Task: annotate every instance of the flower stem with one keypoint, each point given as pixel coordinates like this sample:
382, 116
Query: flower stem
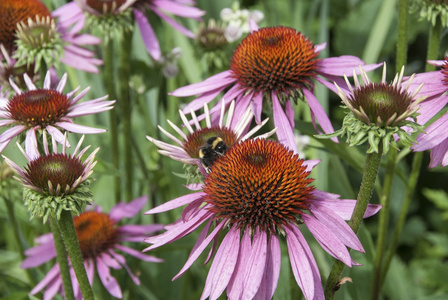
415, 172
384, 222
61, 258
110, 87
402, 42
435, 33
125, 99
371, 168
68, 232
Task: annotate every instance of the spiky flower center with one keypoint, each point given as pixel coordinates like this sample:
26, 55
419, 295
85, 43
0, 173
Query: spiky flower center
54, 170
39, 107
445, 71
96, 233
38, 32
274, 59
259, 183
211, 37
199, 138
12, 12
381, 102
104, 6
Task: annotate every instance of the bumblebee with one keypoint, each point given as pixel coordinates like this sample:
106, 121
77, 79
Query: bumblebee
213, 148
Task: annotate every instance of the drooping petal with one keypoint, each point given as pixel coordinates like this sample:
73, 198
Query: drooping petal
272, 270
303, 265
148, 35
109, 282
285, 131
327, 240
223, 265
256, 265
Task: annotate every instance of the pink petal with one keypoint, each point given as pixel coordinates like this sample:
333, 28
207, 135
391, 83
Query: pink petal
127, 210
179, 9
439, 155
108, 280
327, 240
223, 265
319, 112
235, 288
198, 250
79, 128
174, 24
272, 270
214, 82
338, 227
175, 203
303, 265
256, 265
148, 35
285, 131
344, 208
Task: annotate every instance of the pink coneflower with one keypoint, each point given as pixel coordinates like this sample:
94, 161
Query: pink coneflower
31, 34
46, 109
380, 113
99, 238
73, 13
436, 136
231, 132
277, 64
55, 182
256, 193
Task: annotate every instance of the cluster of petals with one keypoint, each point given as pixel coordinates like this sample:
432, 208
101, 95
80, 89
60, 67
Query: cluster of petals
248, 267
73, 13
436, 136
110, 258
65, 122
329, 70
75, 54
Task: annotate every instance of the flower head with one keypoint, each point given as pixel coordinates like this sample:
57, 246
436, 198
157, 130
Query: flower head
231, 132
99, 237
277, 65
32, 35
378, 111
436, 136
256, 193
46, 109
112, 16
55, 181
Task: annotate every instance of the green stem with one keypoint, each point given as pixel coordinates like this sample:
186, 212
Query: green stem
15, 229
435, 32
402, 42
415, 172
125, 100
371, 168
61, 258
68, 232
110, 87
384, 221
